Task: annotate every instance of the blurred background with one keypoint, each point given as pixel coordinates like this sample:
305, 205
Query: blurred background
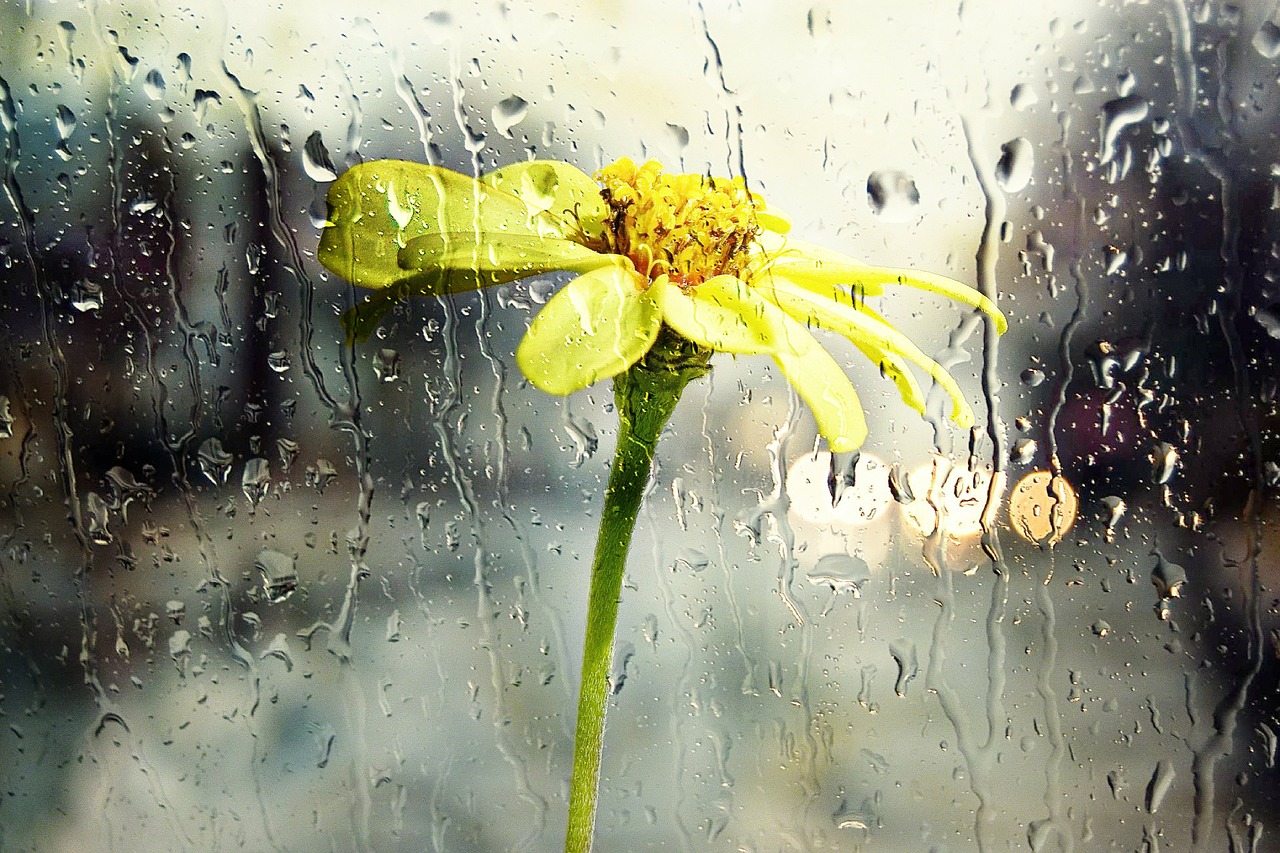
259, 590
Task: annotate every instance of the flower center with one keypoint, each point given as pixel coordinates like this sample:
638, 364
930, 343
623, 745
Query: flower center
687, 227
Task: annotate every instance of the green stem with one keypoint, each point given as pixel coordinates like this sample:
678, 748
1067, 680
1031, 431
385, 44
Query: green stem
646, 395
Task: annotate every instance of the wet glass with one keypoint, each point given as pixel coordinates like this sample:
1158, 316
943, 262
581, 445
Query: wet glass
263, 590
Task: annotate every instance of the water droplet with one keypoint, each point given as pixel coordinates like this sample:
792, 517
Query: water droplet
1164, 462
841, 572
1023, 97
1116, 508
1267, 40
6, 418
153, 84
315, 160
202, 100
1161, 781
279, 574
386, 365
279, 361
393, 627
621, 660
1024, 450
1168, 578
892, 195
180, 649
509, 112
1101, 628
278, 648
256, 480
904, 655
1017, 162
215, 462
1117, 115
321, 474
176, 610
324, 735
691, 560
679, 135
98, 519
288, 450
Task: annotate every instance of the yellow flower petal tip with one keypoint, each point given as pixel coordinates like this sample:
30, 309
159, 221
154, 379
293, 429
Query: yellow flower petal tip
704, 257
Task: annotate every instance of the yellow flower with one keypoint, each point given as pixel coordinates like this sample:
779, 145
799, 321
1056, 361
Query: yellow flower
702, 256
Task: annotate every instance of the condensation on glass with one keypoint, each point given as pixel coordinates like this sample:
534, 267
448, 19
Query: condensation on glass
260, 590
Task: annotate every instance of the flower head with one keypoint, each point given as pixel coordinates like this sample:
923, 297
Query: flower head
701, 256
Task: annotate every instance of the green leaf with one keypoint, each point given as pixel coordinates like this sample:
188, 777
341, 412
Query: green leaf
377, 208
595, 327
563, 196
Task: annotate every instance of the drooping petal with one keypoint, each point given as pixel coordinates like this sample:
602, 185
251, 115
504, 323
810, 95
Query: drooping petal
940, 285
723, 314
897, 371
377, 208
501, 256
864, 328
825, 389
563, 195
595, 327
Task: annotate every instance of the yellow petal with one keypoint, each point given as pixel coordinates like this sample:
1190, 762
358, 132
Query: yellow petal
595, 327
560, 194
897, 372
825, 389
723, 314
864, 328
377, 208
501, 256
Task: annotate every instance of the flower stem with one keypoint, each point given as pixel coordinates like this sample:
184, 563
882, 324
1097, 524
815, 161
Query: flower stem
645, 395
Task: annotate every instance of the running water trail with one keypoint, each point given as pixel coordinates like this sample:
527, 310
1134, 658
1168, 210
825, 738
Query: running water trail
1218, 162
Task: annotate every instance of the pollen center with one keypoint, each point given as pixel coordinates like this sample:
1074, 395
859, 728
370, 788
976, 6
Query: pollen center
687, 227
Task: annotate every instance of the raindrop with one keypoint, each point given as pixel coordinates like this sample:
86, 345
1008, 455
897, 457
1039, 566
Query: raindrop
1161, 781
904, 655
278, 648
1164, 462
386, 365
321, 474
1168, 578
256, 480
583, 435
900, 484
324, 735
86, 296
175, 610
202, 100
1117, 115
509, 112
6, 418
841, 572
1024, 450
1267, 40
679, 135
279, 574
1023, 97
98, 517
315, 160
1101, 628
690, 559
288, 450
1017, 161
278, 361
214, 461
621, 660
892, 195
1116, 508
393, 627
153, 84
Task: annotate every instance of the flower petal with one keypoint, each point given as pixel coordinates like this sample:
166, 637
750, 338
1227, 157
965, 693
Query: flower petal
376, 208
560, 193
864, 328
825, 389
724, 314
501, 257
595, 327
